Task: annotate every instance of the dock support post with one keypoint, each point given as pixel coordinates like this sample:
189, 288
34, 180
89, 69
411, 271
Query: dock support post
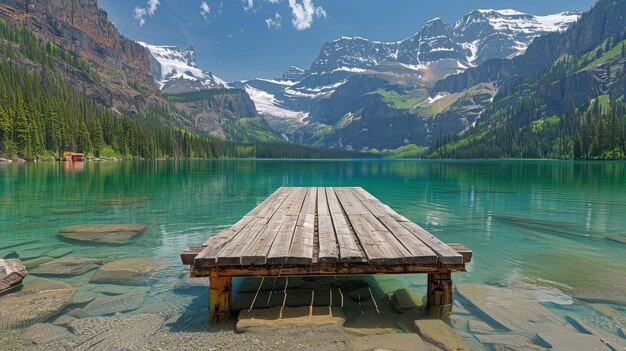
220, 298
439, 293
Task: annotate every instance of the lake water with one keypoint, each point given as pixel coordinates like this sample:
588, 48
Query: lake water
536, 227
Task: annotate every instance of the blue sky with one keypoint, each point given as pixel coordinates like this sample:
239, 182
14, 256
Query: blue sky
244, 39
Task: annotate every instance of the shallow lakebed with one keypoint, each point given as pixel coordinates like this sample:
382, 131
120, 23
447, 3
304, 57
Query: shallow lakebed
548, 237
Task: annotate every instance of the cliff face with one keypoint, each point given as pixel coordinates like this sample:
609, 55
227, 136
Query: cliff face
84, 30
210, 114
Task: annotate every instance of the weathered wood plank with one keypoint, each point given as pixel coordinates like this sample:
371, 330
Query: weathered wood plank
420, 252
380, 246
348, 247
350, 204
227, 234
208, 256
234, 250
257, 252
375, 242
352, 226
321, 269
301, 250
376, 206
328, 247
190, 253
446, 254
231, 253
282, 243
257, 211
463, 250
251, 239
215, 244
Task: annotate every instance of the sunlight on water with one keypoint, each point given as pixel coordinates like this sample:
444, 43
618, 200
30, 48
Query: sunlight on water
537, 227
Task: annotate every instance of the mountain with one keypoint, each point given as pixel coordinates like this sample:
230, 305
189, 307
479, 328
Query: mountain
360, 94
210, 104
564, 98
83, 31
176, 71
478, 36
293, 73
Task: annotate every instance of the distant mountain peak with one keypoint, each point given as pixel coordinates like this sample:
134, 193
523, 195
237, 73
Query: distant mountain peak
476, 37
293, 73
176, 70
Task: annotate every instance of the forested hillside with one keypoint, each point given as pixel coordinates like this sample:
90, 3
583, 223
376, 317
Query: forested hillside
573, 109
42, 114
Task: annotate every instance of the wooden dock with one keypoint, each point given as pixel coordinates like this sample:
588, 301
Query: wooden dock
323, 231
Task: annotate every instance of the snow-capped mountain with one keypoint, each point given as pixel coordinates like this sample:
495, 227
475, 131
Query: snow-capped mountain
175, 70
293, 73
475, 38
437, 50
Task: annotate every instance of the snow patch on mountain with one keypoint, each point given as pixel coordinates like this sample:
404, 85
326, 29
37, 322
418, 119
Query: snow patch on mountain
175, 70
267, 105
473, 39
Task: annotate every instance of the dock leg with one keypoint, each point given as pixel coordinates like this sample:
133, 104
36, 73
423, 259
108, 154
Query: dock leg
220, 298
439, 294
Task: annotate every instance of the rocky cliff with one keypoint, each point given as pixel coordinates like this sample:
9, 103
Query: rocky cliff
211, 111
122, 76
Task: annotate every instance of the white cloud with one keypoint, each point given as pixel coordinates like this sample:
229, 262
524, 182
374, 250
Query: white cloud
140, 13
249, 5
304, 13
204, 9
273, 1
275, 22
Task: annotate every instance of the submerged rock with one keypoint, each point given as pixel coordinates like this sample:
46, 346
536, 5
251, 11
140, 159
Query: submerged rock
440, 334
84, 296
509, 308
507, 342
612, 340
123, 200
115, 333
112, 289
43, 333
45, 284
128, 271
404, 300
562, 341
103, 233
12, 272
37, 261
64, 320
618, 239
596, 278
480, 327
119, 303
60, 252
68, 266
27, 307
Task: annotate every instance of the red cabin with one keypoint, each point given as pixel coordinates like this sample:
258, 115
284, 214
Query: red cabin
73, 156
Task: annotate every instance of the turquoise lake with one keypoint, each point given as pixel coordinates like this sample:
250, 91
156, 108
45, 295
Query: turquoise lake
538, 227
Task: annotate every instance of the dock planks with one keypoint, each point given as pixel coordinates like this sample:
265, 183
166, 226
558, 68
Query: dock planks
306, 226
